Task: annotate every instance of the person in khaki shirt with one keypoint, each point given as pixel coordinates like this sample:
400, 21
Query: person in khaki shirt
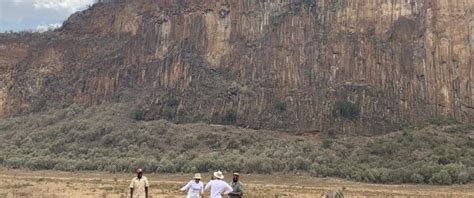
139, 186
237, 187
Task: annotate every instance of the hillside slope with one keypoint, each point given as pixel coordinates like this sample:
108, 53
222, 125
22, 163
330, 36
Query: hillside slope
105, 138
292, 64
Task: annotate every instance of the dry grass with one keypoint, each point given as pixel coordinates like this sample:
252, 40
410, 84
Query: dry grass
16, 183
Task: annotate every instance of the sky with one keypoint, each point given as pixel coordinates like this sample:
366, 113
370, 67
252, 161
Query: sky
37, 15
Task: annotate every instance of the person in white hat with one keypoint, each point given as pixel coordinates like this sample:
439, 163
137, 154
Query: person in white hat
217, 186
194, 187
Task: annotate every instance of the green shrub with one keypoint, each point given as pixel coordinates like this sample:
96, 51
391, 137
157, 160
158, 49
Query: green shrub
190, 142
166, 166
138, 113
417, 178
347, 110
233, 144
457, 172
439, 121
230, 117
462, 177
169, 112
385, 176
246, 140
441, 177
86, 165
400, 175
15, 162
470, 171
301, 163
325, 171
327, 143
40, 163
172, 102
460, 129
427, 171
258, 165
64, 165
281, 106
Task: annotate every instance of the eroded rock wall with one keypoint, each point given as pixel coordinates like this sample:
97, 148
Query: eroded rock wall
261, 63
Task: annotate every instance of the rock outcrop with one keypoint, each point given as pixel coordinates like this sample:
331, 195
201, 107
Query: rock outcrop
286, 64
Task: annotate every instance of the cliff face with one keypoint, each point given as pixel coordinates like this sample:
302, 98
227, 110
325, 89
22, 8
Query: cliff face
283, 64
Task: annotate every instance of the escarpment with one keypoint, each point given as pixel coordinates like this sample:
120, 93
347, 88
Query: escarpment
288, 64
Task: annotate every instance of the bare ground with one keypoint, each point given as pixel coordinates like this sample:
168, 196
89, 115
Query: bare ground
49, 184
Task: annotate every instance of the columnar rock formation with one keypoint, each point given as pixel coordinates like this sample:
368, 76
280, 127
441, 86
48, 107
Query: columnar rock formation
282, 64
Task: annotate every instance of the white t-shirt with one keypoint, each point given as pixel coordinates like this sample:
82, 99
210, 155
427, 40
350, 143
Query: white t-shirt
218, 187
195, 190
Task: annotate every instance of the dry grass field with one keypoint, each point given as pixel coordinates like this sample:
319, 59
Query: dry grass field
49, 184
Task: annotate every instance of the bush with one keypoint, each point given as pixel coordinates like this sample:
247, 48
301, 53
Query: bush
15, 162
301, 163
190, 142
322, 170
138, 113
427, 171
172, 102
417, 178
347, 110
327, 143
230, 117
233, 144
463, 177
441, 177
86, 165
454, 170
281, 106
385, 176
258, 165
200, 164
439, 121
64, 165
166, 166
41, 163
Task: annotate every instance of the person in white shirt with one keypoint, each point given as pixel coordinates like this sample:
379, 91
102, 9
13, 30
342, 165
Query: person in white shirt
194, 187
217, 186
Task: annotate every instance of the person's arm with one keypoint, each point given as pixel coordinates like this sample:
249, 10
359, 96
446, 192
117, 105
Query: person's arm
146, 187
186, 187
239, 191
208, 185
131, 189
202, 190
228, 189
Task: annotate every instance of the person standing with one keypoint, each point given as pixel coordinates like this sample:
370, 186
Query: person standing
237, 187
217, 186
194, 187
139, 185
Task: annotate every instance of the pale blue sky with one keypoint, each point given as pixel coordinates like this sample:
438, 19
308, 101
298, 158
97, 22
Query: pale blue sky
33, 15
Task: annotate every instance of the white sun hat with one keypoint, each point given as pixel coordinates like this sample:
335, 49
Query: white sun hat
197, 176
218, 175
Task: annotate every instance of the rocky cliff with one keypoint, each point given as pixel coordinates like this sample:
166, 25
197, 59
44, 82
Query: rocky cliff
282, 64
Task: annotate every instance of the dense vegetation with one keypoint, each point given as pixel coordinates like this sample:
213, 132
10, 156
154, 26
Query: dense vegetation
114, 138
